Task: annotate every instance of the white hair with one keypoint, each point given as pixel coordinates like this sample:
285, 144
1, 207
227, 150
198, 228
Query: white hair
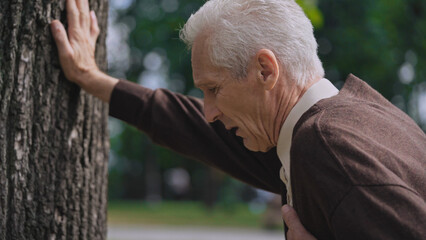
239, 28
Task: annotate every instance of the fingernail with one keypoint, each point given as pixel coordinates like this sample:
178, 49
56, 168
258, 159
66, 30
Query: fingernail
285, 208
92, 13
55, 26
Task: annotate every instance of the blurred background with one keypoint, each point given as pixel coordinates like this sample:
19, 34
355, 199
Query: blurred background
382, 42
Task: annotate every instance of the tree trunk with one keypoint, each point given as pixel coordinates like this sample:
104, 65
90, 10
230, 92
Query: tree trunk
53, 136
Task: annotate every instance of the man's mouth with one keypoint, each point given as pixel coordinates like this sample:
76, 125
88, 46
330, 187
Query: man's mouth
236, 132
233, 130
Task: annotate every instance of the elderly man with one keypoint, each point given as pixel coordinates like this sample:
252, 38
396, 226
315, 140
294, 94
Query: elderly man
350, 163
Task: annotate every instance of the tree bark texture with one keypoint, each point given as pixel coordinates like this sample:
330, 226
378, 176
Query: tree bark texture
53, 136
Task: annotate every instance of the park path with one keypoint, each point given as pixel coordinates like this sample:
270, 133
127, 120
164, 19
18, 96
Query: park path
188, 233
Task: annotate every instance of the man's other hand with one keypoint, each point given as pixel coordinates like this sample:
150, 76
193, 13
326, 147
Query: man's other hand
77, 49
296, 231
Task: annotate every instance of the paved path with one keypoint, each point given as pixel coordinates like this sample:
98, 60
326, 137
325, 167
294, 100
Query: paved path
188, 233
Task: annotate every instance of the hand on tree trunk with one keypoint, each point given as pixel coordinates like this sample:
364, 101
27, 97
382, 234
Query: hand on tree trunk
77, 50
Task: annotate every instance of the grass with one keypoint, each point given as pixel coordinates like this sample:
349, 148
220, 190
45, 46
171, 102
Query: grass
181, 214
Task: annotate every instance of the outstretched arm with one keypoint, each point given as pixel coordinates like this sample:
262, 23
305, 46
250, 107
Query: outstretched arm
77, 50
171, 120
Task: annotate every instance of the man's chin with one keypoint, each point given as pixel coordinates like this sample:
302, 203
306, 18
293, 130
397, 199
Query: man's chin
255, 147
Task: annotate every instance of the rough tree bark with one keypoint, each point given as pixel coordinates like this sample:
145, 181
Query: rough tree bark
53, 136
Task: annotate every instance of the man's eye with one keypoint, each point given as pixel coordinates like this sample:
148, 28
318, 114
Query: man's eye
213, 90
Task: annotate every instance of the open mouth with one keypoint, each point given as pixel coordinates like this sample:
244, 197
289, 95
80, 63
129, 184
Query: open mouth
237, 130
233, 130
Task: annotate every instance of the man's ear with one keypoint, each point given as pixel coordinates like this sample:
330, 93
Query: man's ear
267, 68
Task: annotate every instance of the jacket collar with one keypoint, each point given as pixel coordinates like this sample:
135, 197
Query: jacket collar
320, 90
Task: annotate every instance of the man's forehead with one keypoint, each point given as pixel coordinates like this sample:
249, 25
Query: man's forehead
204, 72
206, 76
199, 46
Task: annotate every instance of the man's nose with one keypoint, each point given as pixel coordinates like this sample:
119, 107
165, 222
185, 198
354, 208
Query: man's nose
211, 112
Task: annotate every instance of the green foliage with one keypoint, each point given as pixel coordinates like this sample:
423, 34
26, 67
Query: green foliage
180, 213
381, 41
310, 7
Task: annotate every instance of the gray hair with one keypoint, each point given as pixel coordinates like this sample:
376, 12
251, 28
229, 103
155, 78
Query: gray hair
239, 28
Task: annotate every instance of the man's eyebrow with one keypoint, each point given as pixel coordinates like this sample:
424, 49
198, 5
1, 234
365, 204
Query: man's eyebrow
204, 84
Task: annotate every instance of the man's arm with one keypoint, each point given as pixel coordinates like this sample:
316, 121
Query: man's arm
77, 50
177, 122
171, 120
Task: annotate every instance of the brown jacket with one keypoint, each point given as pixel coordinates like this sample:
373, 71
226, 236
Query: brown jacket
357, 162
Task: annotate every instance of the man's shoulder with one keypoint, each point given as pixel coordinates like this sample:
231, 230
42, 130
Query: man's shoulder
328, 126
364, 140
357, 109
336, 115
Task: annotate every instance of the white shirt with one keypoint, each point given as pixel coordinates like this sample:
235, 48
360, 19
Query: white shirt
320, 90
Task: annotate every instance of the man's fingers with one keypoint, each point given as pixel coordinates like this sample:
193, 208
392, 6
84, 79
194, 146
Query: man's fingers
290, 218
83, 5
61, 39
72, 14
71, 6
94, 27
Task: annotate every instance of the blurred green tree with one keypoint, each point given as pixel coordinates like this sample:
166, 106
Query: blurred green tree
381, 42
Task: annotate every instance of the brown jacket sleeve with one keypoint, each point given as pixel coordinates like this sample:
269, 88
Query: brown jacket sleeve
177, 122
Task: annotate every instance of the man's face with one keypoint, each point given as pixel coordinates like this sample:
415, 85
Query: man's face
236, 103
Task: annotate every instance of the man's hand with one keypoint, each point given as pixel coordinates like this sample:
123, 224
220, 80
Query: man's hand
77, 50
296, 231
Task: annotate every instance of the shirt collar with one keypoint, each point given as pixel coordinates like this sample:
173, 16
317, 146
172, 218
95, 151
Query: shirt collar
318, 91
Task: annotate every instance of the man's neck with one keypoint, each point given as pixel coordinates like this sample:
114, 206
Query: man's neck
288, 96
